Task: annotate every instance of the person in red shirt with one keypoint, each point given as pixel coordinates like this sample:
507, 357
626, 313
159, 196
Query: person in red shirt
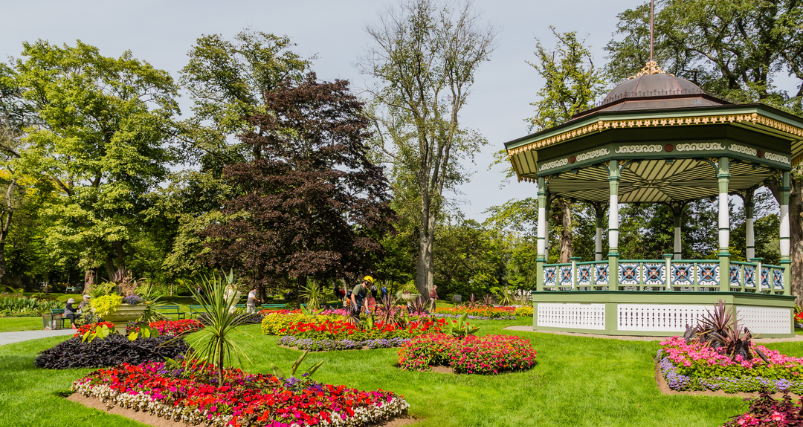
433, 296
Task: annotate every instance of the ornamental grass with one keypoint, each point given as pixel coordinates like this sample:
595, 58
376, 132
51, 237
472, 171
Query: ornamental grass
192, 394
489, 354
699, 366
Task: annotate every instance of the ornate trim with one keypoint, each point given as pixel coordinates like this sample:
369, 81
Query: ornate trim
553, 164
601, 125
776, 158
639, 149
743, 150
650, 68
593, 154
700, 146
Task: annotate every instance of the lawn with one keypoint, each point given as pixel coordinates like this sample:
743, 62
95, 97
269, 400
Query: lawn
10, 324
577, 382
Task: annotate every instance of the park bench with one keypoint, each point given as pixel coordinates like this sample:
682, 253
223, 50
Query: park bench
171, 309
196, 309
274, 306
73, 289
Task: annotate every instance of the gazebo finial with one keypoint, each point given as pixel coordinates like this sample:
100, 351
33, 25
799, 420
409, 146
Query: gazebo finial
651, 67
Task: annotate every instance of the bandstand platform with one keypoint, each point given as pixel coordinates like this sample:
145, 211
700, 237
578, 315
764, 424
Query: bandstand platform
657, 138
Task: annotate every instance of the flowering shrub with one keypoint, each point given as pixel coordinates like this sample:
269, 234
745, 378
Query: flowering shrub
274, 322
171, 327
90, 327
192, 395
767, 412
479, 313
106, 304
525, 311
490, 354
342, 329
696, 366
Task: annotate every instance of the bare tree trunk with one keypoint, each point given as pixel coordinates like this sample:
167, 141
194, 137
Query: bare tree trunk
6, 226
109, 266
301, 284
425, 274
563, 214
118, 247
795, 231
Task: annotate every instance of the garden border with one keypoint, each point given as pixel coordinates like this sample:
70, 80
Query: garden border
664, 388
156, 421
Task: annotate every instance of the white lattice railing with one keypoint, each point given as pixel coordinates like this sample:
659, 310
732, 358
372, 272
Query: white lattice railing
570, 315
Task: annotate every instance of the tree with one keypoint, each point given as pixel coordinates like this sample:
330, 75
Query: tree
227, 81
571, 83
100, 142
312, 204
733, 47
424, 60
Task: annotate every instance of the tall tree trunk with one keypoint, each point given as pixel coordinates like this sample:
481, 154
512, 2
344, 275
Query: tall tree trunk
795, 230
425, 274
118, 247
89, 280
6, 226
563, 215
110, 266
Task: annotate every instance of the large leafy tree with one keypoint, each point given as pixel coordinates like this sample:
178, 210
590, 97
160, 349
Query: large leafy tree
311, 203
100, 143
227, 81
424, 59
736, 48
571, 83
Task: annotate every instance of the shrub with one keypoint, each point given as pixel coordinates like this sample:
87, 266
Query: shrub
490, 354
19, 305
185, 392
526, 311
106, 304
111, 351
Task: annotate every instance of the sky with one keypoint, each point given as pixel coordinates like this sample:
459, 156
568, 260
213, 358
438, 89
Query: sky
162, 32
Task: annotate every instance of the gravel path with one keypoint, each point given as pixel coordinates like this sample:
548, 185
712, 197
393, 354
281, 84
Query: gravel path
12, 337
526, 328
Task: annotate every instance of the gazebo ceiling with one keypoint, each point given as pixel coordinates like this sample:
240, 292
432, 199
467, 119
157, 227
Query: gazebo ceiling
658, 180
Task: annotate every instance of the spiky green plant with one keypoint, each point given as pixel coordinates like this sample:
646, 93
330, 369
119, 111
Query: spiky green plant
214, 345
505, 297
313, 293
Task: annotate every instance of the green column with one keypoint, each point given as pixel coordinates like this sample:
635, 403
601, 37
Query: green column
723, 178
613, 226
786, 261
542, 230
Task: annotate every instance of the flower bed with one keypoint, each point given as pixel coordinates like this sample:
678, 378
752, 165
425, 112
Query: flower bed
243, 400
110, 351
342, 329
480, 313
490, 354
172, 327
344, 344
91, 327
525, 311
696, 366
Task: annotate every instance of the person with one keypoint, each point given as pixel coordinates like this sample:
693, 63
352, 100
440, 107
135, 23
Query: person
232, 296
433, 295
384, 291
359, 293
374, 291
84, 304
251, 305
69, 312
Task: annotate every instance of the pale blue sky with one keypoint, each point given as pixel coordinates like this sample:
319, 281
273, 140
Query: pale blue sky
161, 32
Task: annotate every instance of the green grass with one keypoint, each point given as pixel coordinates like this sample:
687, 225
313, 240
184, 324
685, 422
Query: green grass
577, 382
11, 324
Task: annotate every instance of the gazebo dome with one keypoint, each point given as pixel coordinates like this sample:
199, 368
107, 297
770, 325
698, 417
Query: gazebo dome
654, 89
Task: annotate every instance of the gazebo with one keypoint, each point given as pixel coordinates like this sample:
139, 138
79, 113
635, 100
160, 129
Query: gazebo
657, 138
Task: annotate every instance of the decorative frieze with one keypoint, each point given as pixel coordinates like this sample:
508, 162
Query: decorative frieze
627, 149
776, 158
554, 164
593, 154
700, 146
736, 148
